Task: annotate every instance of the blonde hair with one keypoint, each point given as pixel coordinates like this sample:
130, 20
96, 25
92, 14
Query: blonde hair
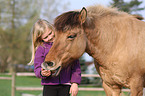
37, 30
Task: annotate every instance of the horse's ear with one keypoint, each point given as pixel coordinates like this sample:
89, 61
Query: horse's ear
83, 15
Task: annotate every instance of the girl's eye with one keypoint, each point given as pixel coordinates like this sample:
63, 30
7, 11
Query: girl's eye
50, 33
45, 37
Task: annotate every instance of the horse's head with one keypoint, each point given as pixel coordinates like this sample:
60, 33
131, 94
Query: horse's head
70, 41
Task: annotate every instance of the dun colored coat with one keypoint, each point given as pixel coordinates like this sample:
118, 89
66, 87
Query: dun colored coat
116, 40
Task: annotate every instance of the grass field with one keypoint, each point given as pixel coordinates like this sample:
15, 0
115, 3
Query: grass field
5, 87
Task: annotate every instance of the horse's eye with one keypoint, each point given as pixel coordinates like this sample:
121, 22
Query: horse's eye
71, 36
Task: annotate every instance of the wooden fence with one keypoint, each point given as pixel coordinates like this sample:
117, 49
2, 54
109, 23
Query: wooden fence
14, 88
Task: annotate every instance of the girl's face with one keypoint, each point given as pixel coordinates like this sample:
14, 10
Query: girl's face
48, 36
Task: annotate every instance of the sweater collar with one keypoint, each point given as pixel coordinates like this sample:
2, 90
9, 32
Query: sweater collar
47, 43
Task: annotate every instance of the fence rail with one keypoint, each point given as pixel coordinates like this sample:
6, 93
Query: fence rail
15, 88
6, 78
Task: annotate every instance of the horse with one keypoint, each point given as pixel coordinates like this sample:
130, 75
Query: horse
115, 39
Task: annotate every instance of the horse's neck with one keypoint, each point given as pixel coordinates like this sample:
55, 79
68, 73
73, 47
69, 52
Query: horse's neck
99, 47
95, 52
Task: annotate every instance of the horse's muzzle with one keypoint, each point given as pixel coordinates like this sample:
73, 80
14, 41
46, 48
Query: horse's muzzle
51, 66
50, 63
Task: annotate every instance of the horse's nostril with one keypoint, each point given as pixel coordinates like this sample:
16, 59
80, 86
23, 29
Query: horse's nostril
49, 63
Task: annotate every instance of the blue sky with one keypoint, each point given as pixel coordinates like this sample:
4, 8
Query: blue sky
78, 4
84, 3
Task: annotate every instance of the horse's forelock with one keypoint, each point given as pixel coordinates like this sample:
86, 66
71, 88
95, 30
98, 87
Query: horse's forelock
67, 20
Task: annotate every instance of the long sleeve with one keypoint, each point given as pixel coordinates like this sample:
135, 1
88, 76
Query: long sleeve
39, 58
76, 72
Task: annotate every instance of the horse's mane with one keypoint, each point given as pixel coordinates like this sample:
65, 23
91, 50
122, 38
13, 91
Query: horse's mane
71, 19
67, 19
99, 10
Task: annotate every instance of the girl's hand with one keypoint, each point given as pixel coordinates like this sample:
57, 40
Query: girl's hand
74, 89
45, 72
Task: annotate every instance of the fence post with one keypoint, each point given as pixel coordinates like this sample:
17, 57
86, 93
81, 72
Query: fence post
13, 88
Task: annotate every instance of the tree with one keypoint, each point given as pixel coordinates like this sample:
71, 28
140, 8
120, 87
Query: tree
129, 7
51, 9
17, 17
12, 37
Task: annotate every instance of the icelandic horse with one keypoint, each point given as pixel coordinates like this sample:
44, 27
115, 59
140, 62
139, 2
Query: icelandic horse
115, 39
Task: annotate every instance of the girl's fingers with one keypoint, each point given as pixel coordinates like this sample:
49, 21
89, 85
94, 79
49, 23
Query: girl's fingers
46, 72
70, 91
49, 71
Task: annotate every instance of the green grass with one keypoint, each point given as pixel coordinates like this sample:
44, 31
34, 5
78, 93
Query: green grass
5, 87
25, 81
28, 81
91, 93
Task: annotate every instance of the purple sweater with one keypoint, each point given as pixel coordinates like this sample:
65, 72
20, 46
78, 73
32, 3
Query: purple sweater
67, 75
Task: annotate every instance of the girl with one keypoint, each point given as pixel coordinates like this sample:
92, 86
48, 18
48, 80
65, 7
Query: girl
67, 81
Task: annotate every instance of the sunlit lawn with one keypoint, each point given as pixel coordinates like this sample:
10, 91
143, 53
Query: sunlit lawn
5, 87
